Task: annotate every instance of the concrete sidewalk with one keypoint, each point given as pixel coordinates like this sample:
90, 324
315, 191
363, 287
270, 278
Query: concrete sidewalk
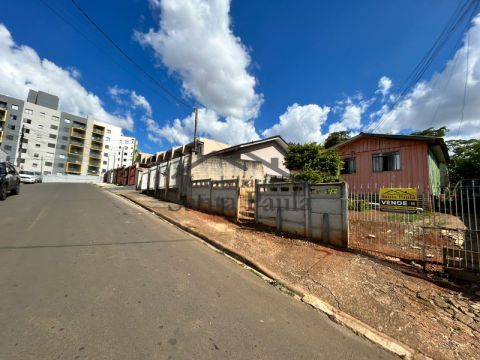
358, 291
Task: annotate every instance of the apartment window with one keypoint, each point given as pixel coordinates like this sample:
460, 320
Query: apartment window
104, 163
65, 138
63, 147
25, 141
29, 111
40, 126
37, 145
49, 155
34, 165
27, 121
42, 114
13, 117
14, 107
12, 127
66, 129
36, 155
106, 146
9, 137
386, 161
23, 151
55, 118
52, 136
50, 145
61, 156
7, 147
47, 172
125, 154
349, 166
48, 163
54, 127
67, 121
107, 139
27, 131
105, 154
39, 136
22, 161
61, 165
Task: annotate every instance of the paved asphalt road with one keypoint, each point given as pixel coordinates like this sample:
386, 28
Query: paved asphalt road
87, 275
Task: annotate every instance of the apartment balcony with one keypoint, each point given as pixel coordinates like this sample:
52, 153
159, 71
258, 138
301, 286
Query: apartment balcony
97, 140
94, 164
93, 170
1, 136
73, 168
95, 155
3, 115
100, 130
96, 146
77, 133
75, 150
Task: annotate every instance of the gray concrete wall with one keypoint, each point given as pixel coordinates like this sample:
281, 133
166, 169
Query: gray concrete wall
272, 158
43, 99
216, 196
220, 168
71, 179
316, 211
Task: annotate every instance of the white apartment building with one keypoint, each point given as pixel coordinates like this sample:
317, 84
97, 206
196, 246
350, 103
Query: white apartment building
56, 142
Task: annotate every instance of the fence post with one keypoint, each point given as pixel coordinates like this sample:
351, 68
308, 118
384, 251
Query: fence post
307, 211
257, 199
237, 210
344, 209
210, 196
279, 218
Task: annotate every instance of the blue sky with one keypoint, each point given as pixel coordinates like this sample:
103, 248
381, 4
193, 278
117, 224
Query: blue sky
256, 68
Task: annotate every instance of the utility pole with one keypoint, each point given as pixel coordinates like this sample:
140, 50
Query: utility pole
121, 157
41, 167
195, 131
22, 135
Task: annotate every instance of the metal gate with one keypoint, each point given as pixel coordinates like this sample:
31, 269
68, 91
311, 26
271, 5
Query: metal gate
442, 232
246, 201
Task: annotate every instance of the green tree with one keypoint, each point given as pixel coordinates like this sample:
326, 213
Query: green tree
440, 132
335, 138
313, 163
465, 159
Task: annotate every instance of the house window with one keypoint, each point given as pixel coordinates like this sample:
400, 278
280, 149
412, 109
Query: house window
349, 166
14, 107
28, 111
386, 162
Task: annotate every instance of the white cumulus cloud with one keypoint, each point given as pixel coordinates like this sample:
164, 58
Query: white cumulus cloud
438, 101
352, 111
384, 86
195, 41
21, 69
180, 131
301, 123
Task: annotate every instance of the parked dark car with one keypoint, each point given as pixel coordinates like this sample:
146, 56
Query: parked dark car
9, 180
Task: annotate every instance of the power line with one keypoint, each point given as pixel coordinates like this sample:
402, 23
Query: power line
468, 7
124, 53
100, 48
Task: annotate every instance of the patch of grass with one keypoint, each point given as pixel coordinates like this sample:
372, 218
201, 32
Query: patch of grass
403, 217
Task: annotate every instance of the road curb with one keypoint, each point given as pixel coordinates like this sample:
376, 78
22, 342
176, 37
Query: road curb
360, 328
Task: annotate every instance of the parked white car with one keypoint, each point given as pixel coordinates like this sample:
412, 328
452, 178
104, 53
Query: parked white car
28, 177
